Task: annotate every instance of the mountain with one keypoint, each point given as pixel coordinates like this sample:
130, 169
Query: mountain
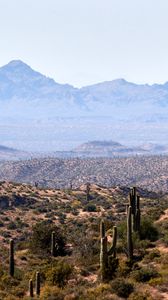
19, 83
110, 149
7, 153
106, 149
39, 114
155, 148
92, 149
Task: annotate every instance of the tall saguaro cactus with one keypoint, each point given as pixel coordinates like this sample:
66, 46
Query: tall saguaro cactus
11, 258
129, 234
53, 248
87, 191
37, 283
31, 288
103, 251
135, 205
107, 257
138, 215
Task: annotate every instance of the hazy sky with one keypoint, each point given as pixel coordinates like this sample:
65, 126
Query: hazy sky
82, 42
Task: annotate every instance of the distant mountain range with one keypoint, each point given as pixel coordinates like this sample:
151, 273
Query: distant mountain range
38, 114
111, 149
93, 149
19, 84
12, 154
106, 149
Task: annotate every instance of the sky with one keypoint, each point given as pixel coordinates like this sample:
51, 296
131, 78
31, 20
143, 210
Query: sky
82, 42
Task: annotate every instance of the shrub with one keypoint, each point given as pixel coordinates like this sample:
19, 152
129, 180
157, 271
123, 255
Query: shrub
155, 254
1, 224
51, 293
148, 230
124, 269
90, 207
140, 296
112, 267
8, 282
155, 213
86, 247
40, 241
122, 288
11, 226
59, 274
165, 238
144, 274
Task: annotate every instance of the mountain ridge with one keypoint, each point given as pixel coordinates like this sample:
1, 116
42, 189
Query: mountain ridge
17, 63
33, 106
7, 153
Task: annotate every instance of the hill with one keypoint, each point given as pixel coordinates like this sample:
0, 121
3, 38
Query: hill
29, 215
106, 149
149, 172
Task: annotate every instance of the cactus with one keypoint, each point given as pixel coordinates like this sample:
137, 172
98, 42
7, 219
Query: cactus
88, 191
37, 283
103, 251
53, 248
112, 250
102, 229
107, 257
129, 234
138, 215
103, 257
31, 288
127, 206
11, 258
134, 203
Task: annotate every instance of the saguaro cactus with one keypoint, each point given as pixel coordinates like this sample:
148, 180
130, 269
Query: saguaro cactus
53, 248
107, 257
37, 283
103, 251
134, 203
114, 243
31, 288
129, 234
11, 258
88, 191
138, 215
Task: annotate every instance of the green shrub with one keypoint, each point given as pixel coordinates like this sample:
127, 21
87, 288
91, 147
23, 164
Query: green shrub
140, 296
7, 282
148, 230
155, 254
40, 242
144, 274
1, 223
122, 288
11, 226
90, 207
125, 267
112, 267
59, 274
51, 293
86, 246
155, 213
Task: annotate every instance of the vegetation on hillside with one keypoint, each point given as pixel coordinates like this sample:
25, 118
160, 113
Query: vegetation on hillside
57, 244
147, 172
